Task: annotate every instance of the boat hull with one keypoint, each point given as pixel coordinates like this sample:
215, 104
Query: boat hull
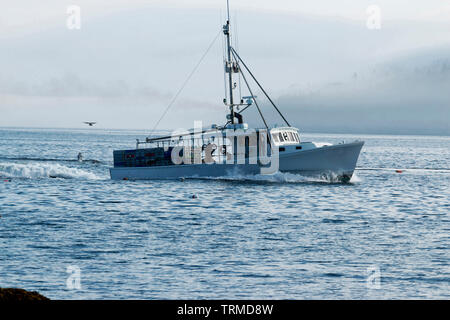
337, 161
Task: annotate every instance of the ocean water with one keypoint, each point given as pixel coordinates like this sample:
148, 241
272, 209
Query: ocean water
385, 235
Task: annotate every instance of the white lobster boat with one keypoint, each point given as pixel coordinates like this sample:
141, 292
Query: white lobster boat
234, 148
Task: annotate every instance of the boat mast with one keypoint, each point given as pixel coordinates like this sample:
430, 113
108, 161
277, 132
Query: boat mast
229, 67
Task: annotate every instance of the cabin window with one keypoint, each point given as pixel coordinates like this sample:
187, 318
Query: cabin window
286, 136
282, 149
298, 148
275, 138
291, 136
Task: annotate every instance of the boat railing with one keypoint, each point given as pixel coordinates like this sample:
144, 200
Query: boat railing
200, 138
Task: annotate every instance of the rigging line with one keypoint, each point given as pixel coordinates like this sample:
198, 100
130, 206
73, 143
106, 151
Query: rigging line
251, 93
259, 85
245, 108
186, 82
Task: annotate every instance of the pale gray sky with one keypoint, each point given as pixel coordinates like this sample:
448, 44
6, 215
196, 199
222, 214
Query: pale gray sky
317, 58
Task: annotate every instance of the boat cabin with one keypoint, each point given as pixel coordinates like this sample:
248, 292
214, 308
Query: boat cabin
285, 136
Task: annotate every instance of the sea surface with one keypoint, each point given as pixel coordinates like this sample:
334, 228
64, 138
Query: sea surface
385, 235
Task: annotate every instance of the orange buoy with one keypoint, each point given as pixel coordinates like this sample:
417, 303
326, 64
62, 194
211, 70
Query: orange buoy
125, 179
399, 171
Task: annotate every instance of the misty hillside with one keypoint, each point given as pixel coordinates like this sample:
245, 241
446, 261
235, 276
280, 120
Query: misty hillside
410, 93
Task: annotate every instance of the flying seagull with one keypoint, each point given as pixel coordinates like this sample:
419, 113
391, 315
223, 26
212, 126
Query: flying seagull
90, 124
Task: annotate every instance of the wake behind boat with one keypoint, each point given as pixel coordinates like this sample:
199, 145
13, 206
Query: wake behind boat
234, 148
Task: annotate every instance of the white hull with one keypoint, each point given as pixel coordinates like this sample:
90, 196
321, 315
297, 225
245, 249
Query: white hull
339, 160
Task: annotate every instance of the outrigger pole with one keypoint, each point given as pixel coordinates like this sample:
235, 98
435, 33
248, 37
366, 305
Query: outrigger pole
259, 85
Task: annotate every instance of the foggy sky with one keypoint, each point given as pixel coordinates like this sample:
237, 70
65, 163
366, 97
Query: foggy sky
322, 65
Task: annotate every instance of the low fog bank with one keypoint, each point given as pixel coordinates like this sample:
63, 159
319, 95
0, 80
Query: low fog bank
408, 95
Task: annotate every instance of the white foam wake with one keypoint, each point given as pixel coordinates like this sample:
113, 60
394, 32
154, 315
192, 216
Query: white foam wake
43, 170
355, 178
285, 177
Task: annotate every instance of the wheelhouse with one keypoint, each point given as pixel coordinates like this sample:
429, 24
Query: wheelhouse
285, 136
